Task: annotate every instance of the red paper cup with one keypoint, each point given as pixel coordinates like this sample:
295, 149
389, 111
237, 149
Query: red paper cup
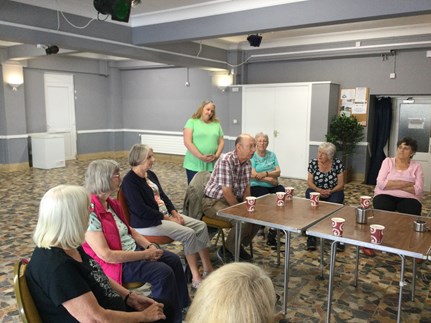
338, 226
250, 203
376, 231
314, 198
280, 198
365, 201
289, 192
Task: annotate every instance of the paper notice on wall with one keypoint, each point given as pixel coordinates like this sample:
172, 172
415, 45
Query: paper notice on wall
361, 94
359, 108
416, 123
347, 95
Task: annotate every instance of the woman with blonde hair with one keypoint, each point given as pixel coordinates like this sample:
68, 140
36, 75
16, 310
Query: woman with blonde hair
203, 138
65, 283
236, 292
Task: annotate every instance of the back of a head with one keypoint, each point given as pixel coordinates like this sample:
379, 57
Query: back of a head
237, 292
63, 217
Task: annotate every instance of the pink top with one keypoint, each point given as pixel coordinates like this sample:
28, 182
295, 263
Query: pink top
412, 174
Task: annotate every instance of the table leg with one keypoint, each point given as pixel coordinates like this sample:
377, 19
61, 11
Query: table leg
237, 239
356, 266
414, 280
278, 247
402, 283
321, 259
286, 268
331, 279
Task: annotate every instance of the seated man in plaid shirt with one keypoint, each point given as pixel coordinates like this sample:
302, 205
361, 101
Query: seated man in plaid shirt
229, 185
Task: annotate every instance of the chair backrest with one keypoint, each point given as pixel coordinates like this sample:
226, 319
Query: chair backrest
195, 192
27, 308
122, 200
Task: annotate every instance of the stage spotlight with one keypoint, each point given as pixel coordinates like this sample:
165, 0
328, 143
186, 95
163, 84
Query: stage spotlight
52, 49
254, 40
118, 9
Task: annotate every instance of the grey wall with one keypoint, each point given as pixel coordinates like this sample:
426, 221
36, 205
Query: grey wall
157, 99
413, 72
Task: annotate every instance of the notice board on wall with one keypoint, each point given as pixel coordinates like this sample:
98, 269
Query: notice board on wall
354, 102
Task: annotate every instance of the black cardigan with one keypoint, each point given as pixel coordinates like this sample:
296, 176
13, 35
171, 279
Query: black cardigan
143, 208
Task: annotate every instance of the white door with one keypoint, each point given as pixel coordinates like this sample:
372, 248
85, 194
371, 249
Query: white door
282, 113
60, 109
291, 130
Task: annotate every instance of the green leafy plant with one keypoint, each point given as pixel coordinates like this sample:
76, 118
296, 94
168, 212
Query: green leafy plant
345, 133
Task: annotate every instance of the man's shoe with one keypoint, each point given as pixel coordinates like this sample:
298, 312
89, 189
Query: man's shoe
368, 252
340, 247
311, 243
244, 255
228, 256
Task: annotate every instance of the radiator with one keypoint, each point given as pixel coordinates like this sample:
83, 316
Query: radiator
164, 144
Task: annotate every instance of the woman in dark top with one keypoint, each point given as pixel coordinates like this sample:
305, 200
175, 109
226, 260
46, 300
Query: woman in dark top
325, 176
152, 213
66, 284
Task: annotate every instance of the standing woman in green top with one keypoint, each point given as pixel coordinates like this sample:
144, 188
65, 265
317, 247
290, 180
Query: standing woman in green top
203, 138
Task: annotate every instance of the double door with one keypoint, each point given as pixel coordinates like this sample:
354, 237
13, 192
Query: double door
282, 112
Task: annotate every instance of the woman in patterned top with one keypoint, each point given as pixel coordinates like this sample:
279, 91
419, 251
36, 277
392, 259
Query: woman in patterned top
325, 176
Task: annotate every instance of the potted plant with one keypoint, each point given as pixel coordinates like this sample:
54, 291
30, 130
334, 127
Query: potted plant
345, 132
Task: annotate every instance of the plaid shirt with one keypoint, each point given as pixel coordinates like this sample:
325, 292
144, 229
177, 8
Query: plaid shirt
229, 172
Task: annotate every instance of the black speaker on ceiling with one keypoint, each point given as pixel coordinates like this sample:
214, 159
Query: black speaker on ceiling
254, 40
118, 9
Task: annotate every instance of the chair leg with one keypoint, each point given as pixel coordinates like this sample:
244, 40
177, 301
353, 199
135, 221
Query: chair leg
218, 235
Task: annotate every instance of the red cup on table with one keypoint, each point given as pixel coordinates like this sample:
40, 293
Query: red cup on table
376, 231
250, 203
280, 198
314, 198
289, 192
337, 226
365, 201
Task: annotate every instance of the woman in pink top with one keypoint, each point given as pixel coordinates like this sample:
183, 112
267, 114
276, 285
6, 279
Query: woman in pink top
400, 181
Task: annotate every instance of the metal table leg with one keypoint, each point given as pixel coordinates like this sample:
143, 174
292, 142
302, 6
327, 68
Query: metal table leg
278, 247
356, 266
321, 259
286, 268
237, 239
331, 279
402, 284
414, 280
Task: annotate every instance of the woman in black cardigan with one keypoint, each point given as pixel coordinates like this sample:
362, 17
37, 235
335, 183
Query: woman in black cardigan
153, 214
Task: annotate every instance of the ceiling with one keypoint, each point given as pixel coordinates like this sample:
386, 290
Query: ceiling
154, 17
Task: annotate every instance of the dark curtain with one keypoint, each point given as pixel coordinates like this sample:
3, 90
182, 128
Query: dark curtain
381, 131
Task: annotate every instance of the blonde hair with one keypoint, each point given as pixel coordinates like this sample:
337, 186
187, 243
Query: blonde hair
63, 217
98, 178
237, 292
200, 109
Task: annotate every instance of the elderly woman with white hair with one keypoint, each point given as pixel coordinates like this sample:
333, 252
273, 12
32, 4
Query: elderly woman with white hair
325, 176
65, 283
236, 292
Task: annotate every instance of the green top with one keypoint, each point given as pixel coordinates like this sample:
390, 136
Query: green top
206, 138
